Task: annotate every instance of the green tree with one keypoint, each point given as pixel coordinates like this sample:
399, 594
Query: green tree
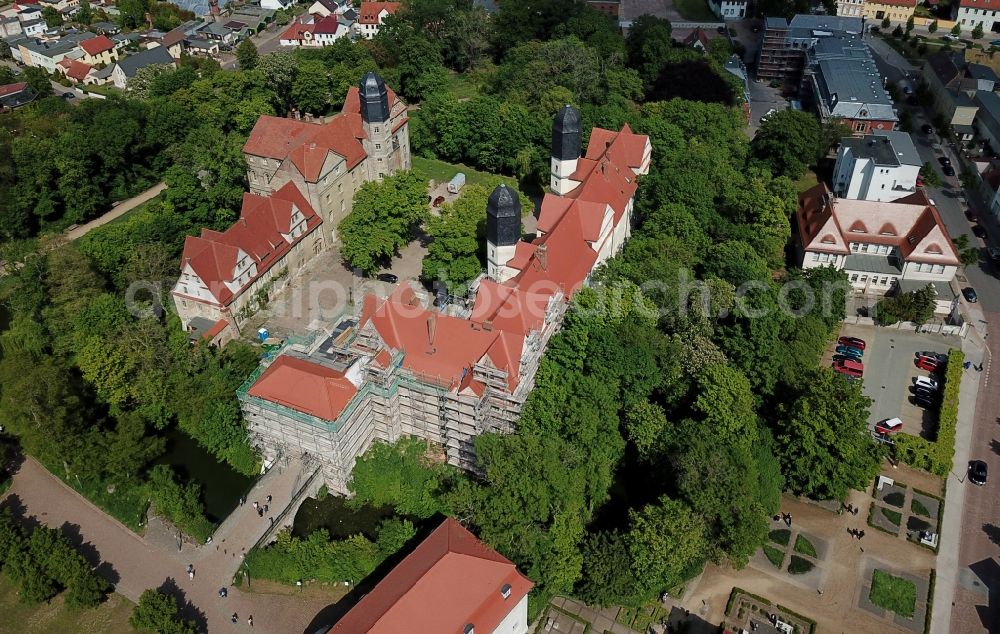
246, 55
179, 503
383, 219
916, 306
158, 613
400, 475
930, 175
909, 24
132, 13
898, 31
967, 253
38, 79
977, 31
52, 17
823, 441
310, 88
649, 45
85, 14
607, 574
457, 234
886, 23
932, 27
789, 142
667, 545
5, 52
956, 30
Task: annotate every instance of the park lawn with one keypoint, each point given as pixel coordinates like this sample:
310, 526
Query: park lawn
918, 507
893, 593
55, 616
695, 10
892, 516
896, 498
806, 181
442, 172
774, 555
799, 565
780, 536
152, 203
804, 546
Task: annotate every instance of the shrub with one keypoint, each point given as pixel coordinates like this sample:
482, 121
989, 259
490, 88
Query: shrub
893, 593
896, 498
893, 516
918, 507
936, 456
780, 536
774, 555
799, 566
804, 546
179, 503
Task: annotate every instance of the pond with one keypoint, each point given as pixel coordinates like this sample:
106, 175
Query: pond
221, 486
340, 520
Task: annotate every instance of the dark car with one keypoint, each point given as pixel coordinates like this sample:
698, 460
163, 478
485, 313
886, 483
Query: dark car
948, 170
994, 254
68, 95
977, 472
924, 402
978, 231
944, 160
927, 129
926, 392
387, 277
969, 294
971, 215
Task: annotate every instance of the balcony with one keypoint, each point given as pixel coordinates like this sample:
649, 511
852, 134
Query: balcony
877, 264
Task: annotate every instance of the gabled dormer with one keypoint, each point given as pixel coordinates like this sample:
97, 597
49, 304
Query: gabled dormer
244, 271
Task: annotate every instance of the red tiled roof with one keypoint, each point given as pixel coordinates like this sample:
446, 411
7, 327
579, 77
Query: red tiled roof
438, 347
699, 35
327, 25
899, 3
257, 233
215, 330
78, 70
307, 144
10, 89
352, 102
306, 387
508, 308
450, 580
370, 11
97, 45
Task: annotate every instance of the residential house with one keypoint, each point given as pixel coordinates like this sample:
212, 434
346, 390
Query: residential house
221, 273
472, 587
10, 27
729, 9
126, 68
76, 70
330, 160
985, 13
990, 188
324, 8
697, 39
399, 366
256, 18
879, 245
34, 28
373, 14
782, 54
218, 32
47, 54
98, 51
987, 123
898, 11
15, 42
882, 166
312, 30
173, 41
276, 5
59, 5
106, 28
201, 47
15, 95
851, 8
953, 83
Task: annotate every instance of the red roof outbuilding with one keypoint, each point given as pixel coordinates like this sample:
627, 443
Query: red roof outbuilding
97, 45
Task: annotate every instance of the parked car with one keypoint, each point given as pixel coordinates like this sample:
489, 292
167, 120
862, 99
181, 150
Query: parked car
994, 254
853, 342
944, 160
927, 128
995, 43
937, 356
969, 294
926, 381
948, 170
849, 351
978, 231
849, 369
920, 181
924, 402
971, 215
438, 201
889, 426
977, 472
928, 364
387, 277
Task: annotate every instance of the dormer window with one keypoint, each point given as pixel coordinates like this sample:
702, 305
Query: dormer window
468, 629
505, 591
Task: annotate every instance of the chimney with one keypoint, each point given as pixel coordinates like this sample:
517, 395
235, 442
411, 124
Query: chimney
431, 328
312, 145
543, 256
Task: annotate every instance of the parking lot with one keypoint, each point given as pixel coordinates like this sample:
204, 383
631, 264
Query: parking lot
889, 373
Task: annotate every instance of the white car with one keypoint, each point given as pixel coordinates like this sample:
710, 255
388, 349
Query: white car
926, 381
764, 117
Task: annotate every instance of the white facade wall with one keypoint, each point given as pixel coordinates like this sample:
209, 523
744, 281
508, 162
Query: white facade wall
516, 621
729, 9
851, 8
969, 17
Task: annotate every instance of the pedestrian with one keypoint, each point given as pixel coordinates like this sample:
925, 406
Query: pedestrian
235, 618
850, 532
242, 500
819, 591
260, 512
861, 534
856, 509
223, 593
267, 499
250, 620
272, 520
789, 520
190, 568
265, 508
255, 505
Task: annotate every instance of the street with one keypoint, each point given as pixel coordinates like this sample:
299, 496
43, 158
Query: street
975, 592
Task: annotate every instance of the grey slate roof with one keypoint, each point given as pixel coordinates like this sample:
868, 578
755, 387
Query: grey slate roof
59, 47
132, 63
989, 111
890, 149
807, 22
775, 23
979, 71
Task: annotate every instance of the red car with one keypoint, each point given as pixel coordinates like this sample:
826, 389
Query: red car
889, 426
927, 363
852, 342
849, 368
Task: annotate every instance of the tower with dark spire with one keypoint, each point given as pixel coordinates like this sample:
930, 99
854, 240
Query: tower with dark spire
503, 230
376, 118
565, 149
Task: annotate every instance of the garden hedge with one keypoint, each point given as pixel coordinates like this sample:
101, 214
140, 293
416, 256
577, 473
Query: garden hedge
937, 456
